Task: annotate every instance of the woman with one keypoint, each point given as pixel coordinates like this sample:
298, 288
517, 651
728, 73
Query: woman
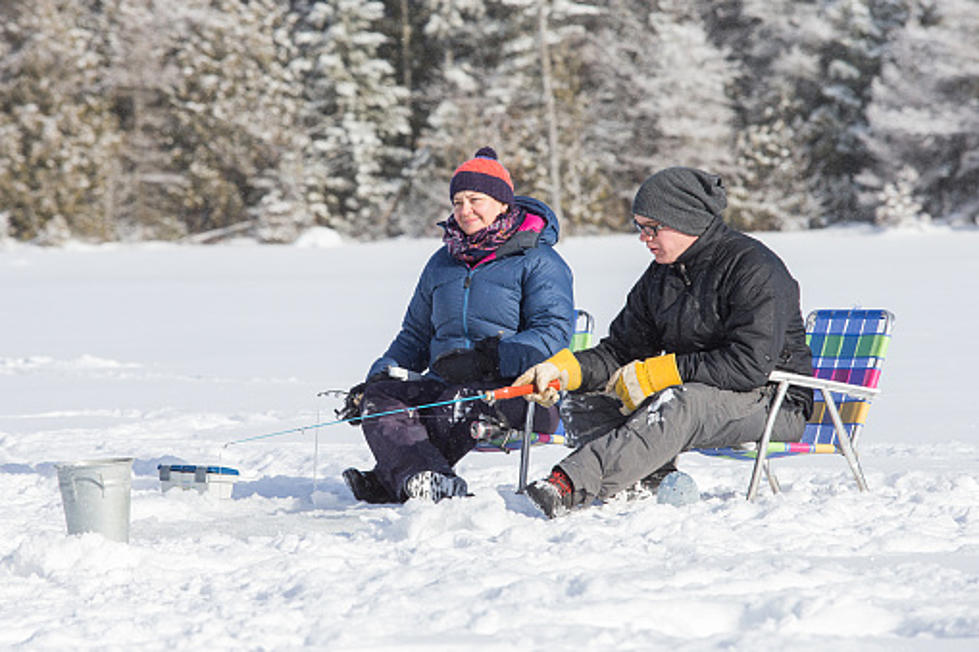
494, 300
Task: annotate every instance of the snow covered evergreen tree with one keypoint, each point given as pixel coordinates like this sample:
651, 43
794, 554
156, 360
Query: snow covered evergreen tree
161, 118
768, 190
897, 204
849, 47
657, 96
924, 117
233, 116
509, 89
147, 186
776, 43
537, 83
810, 70
59, 134
457, 96
355, 118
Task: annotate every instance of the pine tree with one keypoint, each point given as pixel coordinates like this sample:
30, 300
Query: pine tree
656, 95
147, 187
810, 67
233, 114
849, 61
457, 122
355, 119
768, 190
774, 43
516, 88
59, 135
924, 116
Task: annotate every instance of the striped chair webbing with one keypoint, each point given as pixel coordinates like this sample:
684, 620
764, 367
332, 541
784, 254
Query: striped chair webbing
848, 346
513, 440
775, 449
584, 330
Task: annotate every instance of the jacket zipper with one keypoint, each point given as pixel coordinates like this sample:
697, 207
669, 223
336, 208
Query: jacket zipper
681, 269
465, 306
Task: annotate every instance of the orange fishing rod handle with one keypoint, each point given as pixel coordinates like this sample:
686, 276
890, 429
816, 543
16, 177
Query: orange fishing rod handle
514, 391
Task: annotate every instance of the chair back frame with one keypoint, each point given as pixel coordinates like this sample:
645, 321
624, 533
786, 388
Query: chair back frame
845, 343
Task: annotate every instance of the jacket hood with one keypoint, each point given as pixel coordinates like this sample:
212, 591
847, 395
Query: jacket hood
551, 231
714, 232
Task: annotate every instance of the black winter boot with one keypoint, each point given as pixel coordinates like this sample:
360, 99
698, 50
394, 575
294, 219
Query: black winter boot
554, 495
365, 486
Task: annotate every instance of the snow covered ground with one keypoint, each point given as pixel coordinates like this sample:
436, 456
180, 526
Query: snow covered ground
165, 353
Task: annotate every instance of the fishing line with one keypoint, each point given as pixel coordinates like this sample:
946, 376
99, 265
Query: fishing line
373, 415
489, 396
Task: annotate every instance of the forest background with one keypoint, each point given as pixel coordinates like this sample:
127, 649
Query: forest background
193, 119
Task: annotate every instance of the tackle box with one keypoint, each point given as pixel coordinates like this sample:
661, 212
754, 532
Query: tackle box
213, 480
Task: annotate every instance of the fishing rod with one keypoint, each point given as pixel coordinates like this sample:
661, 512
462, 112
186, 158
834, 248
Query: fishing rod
491, 396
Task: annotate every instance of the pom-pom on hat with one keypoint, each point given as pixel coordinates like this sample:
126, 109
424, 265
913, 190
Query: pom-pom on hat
483, 173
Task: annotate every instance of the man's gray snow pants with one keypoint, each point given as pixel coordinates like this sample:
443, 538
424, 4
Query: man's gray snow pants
667, 423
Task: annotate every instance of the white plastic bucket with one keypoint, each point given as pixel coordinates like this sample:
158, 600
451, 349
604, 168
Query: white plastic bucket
96, 496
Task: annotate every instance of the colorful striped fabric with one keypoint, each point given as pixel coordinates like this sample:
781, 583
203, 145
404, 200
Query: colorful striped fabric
848, 346
513, 440
584, 331
775, 449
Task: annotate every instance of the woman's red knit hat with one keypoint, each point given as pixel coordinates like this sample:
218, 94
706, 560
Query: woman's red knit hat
484, 174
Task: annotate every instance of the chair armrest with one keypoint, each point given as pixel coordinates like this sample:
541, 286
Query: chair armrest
821, 383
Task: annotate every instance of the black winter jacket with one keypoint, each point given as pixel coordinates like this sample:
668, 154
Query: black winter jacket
728, 308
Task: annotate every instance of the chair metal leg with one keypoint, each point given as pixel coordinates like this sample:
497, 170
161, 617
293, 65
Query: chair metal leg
772, 479
761, 459
845, 444
528, 430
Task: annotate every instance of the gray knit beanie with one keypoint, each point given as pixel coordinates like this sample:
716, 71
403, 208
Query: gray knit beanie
684, 199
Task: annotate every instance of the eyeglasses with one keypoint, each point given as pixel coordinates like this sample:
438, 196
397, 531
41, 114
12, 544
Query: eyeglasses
648, 230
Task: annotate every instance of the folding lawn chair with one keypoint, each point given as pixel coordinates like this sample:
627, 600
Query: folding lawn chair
848, 348
513, 439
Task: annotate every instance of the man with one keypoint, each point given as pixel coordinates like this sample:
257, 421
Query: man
686, 361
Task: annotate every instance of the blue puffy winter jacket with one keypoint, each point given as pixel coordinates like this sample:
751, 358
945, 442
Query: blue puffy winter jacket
522, 293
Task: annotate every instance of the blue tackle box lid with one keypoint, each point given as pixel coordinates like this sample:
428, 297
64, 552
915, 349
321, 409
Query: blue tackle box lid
192, 468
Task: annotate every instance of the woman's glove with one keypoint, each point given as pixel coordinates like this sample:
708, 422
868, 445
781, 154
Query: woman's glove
638, 379
461, 366
355, 397
562, 366
351, 404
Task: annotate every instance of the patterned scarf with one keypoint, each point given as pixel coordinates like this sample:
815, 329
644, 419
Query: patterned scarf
470, 249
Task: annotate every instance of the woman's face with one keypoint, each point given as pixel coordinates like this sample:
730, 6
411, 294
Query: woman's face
475, 211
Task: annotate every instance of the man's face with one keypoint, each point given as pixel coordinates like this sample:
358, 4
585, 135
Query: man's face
664, 243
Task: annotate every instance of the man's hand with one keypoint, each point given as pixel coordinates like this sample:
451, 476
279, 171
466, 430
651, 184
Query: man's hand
635, 381
540, 375
562, 366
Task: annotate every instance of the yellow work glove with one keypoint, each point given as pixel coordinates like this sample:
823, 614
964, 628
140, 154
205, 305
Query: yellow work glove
561, 366
640, 378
